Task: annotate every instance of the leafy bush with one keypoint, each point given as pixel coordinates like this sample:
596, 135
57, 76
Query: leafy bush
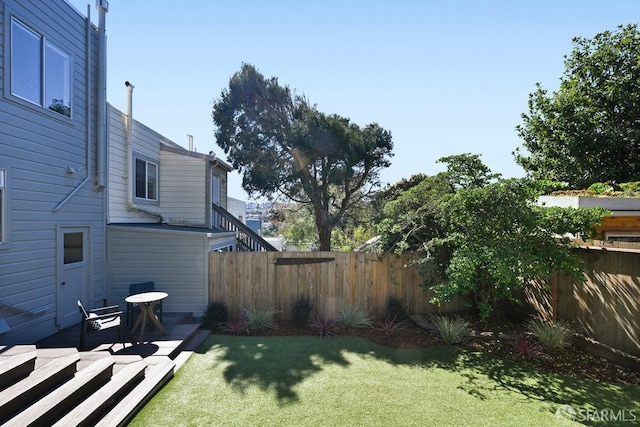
217, 313
322, 325
601, 188
452, 330
552, 334
235, 326
354, 317
389, 324
395, 309
631, 188
302, 311
260, 318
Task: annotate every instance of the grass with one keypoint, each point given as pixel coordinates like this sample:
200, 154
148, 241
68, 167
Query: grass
348, 381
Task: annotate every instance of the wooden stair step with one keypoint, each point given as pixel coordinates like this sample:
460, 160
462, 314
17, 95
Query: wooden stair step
95, 406
155, 377
36, 385
16, 368
64, 398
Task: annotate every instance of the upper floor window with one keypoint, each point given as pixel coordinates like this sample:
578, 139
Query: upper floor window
146, 180
40, 71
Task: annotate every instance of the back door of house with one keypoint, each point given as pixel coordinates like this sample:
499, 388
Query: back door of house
73, 273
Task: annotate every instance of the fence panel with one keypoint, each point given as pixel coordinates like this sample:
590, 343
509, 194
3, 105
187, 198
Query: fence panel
606, 307
332, 280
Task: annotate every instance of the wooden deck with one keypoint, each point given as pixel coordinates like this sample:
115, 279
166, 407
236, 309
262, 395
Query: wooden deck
51, 381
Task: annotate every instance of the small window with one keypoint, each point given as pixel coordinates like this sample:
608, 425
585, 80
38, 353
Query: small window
73, 247
146, 180
623, 237
40, 71
3, 198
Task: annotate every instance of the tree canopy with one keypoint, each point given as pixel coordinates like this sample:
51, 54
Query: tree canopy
283, 146
485, 235
589, 129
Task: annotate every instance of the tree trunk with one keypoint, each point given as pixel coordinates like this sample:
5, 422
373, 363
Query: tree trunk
324, 237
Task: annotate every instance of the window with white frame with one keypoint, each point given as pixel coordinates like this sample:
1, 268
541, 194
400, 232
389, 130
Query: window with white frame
3, 201
146, 180
40, 71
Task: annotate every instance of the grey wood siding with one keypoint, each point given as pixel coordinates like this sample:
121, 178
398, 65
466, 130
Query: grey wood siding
176, 261
183, 192
36, 147
145, 142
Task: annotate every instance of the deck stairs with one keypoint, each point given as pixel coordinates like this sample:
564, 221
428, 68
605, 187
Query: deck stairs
67, 387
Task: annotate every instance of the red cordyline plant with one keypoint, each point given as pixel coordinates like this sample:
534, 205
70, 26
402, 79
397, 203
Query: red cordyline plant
322, 325
526, 347
235, 326
389, 325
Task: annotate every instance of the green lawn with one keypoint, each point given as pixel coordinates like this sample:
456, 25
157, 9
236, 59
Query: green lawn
348, 381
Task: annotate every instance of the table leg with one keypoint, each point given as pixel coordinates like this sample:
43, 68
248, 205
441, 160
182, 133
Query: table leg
136, 324
154, 319
144, 313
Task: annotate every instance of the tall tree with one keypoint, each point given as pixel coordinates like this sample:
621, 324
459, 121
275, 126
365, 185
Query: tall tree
589, 129
284, 146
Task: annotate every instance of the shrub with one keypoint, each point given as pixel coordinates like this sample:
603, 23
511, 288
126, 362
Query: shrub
389, 324
551, 334
630, 188
354, 317
302, 311
395, 309
452, 330
235, 326
217, 313
260, 318
322, 325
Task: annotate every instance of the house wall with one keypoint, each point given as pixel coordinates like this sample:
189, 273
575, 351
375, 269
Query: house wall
145, 142
176, 261
183, 193
36, 148
183, 184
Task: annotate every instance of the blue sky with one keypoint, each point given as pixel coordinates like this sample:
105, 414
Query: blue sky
445, 77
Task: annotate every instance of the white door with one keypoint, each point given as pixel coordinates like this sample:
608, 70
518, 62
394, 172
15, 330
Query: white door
215, 189
73, 268
215, 199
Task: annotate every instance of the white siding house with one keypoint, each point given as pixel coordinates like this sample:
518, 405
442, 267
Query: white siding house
160, 216
52, 204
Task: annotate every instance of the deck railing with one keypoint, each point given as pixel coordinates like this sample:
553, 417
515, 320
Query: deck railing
246, 238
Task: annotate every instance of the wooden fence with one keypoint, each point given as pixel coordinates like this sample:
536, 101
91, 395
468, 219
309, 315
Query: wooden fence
606, 307
332, 280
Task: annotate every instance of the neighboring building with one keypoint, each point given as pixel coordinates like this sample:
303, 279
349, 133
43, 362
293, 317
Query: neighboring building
237, 208
622, 225
255, 224
52, 168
